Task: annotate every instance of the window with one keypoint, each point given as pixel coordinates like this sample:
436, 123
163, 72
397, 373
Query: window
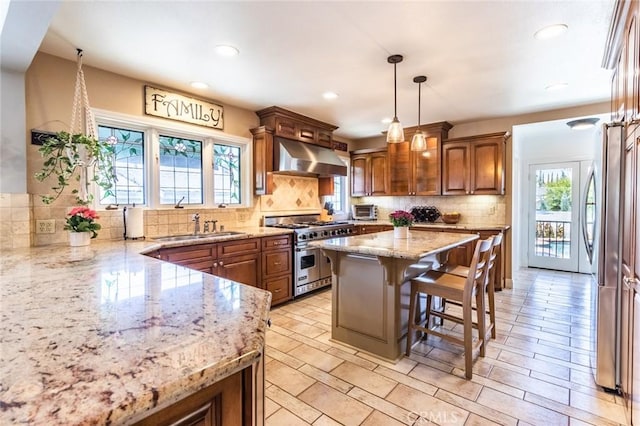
226, 174
128, 166
180, 170
340, 197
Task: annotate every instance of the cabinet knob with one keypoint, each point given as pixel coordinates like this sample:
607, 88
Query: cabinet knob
221, 263
215, 264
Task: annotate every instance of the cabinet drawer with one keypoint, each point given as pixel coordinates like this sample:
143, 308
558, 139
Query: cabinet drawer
276, 243
280, 289
178, 254
202, 265
276, 263
306, 134
286, 128
233, 248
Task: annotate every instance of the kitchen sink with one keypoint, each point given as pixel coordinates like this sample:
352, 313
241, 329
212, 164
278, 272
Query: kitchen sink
186, 237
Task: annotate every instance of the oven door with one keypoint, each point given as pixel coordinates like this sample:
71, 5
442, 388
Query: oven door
307, 265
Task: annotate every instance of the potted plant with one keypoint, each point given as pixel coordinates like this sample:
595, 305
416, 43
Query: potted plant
71, 156
401, 221
81, 222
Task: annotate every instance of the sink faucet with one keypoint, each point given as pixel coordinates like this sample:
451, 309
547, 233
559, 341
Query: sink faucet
196, 224
178, 206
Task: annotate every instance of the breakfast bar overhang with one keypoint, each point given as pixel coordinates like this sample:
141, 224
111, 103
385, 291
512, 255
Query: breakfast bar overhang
371, 288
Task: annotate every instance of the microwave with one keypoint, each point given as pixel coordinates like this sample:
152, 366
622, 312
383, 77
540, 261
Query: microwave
364, 212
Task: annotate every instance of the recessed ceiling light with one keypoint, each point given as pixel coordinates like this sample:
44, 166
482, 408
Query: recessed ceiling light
550, 32
330, 95
226, 50
556, 86
199, 85
583, 123
386, 120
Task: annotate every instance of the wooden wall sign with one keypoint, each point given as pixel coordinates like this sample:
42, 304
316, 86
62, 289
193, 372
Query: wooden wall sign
177, 107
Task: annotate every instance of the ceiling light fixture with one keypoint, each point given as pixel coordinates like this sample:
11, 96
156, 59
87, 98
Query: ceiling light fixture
395, 134
550, 31
556, 86
418, 141
199, 85
330, 95
582, 123
226, 50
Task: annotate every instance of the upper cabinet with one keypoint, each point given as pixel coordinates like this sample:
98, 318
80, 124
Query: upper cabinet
295, 126
369, 173
417, 173
474, 165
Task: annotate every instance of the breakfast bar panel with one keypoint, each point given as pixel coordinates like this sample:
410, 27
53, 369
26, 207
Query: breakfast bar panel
371, 288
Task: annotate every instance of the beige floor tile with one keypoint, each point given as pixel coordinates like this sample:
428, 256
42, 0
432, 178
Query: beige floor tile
407, 380
525, 411
427, 407
314, 342
281, 342
284, 417
275, 354
535, 365
306, 319
326, 378
287, 378
465, 388
325, 420
366, 379
379, 404
319, 359
344, 353
475, 420
569, 411
302, 328
338, 406
270, 407
379, 419
598, 406
485, 412
500, 387
403, 365
594, 391
284, 399
529, 384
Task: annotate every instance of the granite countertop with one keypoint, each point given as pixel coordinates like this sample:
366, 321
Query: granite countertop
419, 244
245, 233
102, 334
441, 225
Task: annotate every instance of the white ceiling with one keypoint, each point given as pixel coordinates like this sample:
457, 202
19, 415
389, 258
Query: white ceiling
480, 57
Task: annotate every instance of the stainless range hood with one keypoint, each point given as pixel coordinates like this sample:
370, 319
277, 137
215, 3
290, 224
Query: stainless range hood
301, 158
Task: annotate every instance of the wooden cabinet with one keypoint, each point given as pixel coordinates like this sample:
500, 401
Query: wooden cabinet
291, 125
413, 172
370, 229
239, 261
369, 173
200, 257
277, 267
262, 160
474, 165
231, 401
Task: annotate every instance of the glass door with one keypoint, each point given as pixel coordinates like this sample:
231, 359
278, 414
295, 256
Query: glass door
554, 216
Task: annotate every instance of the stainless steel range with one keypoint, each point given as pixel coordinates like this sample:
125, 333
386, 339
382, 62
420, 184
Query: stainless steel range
312, 269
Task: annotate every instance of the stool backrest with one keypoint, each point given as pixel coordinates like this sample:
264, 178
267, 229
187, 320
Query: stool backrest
478, 269
495, 251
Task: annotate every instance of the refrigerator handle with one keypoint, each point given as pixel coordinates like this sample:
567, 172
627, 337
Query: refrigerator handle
585, 234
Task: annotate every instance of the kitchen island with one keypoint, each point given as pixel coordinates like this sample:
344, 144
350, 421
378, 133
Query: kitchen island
370, 296
104, 335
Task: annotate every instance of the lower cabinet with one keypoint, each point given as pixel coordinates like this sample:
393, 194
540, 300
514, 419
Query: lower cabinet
239, 261
370, 229
277, 267
233, 401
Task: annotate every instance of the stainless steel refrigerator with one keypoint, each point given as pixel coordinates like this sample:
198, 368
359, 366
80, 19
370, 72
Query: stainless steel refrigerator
604, 246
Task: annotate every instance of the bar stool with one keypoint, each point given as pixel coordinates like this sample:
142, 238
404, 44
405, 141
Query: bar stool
489, 287
456, 288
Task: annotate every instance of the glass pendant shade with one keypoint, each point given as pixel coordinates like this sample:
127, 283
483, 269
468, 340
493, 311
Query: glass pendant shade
418, 142
395, 134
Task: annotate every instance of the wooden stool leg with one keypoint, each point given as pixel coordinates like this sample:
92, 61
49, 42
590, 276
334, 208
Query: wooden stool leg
412, 318
492, 309
468, 340
482, 326
427, 322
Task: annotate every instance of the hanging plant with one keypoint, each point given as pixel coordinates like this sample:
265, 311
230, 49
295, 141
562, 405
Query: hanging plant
68, 157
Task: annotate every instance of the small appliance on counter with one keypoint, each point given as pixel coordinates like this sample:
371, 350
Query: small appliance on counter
425, 214
364, 212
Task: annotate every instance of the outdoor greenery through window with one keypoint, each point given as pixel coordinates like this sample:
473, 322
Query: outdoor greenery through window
553, 212
226, 174
180, 170
128, 166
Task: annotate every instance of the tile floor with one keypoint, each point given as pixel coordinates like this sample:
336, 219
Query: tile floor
535, 373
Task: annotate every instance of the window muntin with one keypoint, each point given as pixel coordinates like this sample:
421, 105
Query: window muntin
227, 174
180, 164
128, 166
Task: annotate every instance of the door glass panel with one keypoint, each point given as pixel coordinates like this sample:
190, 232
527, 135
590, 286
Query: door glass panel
553, 212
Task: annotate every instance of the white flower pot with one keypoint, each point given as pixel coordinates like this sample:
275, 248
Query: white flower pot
79, 239
401, 232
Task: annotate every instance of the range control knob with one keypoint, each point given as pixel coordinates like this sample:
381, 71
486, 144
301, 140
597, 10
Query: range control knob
303, 237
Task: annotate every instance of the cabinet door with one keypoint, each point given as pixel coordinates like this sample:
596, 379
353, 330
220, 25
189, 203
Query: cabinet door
425, 166
455, 168
378, 178
232, 248
398, 156
487, 167
358, 175
243, 269
276, 263
280, 288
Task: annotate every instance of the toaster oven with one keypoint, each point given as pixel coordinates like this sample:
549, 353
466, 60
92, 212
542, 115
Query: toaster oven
364, 212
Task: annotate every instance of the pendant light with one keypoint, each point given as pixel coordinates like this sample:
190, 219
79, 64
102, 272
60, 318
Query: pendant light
395, 134
419, 141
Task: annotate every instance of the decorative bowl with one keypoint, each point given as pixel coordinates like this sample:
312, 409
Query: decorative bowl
450, 218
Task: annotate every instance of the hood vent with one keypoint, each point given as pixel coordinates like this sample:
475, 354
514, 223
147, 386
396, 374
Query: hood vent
305, 159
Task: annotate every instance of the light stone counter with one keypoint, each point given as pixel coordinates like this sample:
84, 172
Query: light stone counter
371, 285
441, 225
105, 335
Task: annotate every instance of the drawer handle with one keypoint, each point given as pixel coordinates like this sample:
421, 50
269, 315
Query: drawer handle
276, 263
278, 290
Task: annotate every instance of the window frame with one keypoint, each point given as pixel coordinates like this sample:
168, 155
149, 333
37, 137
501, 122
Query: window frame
152, 128
343, 214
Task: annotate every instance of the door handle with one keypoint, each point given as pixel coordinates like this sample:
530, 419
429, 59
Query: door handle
632, 283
